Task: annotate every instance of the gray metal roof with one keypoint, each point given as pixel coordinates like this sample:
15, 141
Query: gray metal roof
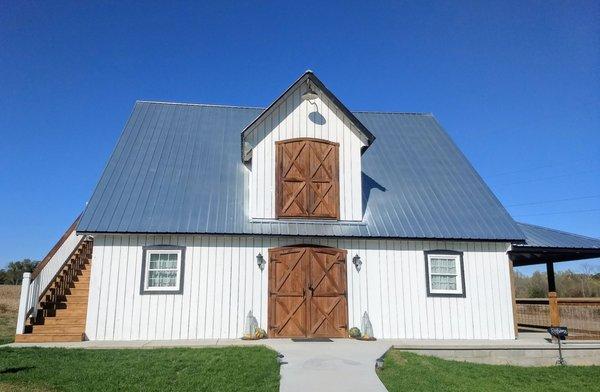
543, 237
176, 169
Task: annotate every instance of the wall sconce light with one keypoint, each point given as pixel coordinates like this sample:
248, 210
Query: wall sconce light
260, 261
357, 263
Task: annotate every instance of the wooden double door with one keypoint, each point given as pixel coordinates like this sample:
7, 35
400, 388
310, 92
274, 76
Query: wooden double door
307, 292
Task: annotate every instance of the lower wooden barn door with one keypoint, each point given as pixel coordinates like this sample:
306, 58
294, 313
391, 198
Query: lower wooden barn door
307, 292
327, 294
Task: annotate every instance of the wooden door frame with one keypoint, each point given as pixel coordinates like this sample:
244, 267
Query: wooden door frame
271, 282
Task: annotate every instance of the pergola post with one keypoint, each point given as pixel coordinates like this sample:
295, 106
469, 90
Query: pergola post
552, 298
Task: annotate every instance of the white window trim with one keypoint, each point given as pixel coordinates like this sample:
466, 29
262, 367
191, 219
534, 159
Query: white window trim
457, 257
179, 251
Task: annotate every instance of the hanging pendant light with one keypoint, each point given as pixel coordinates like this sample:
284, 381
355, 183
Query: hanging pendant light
310, 94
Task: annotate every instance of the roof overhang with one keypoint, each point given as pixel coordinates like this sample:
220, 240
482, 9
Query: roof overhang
530, 255
363, 133
543, 244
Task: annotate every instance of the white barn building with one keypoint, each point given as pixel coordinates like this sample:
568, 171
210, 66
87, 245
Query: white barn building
304, 213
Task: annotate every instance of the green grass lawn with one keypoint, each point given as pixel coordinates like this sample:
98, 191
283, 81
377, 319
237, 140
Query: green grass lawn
404, 371
176, 369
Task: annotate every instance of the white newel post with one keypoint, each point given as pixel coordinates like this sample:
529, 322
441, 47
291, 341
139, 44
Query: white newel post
23, 303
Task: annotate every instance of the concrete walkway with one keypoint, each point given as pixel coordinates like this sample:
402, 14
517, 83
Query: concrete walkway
339, 365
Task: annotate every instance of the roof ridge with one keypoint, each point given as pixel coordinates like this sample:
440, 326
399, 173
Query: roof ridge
200, 104
261, 108
393, 112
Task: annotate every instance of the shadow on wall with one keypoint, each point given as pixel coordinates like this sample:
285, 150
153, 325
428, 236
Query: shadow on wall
368, 184
317, 118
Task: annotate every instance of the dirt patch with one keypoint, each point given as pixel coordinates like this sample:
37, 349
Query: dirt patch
9, 298
9, 307
10, 387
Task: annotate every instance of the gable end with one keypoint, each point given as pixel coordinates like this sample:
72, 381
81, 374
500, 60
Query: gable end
362, 132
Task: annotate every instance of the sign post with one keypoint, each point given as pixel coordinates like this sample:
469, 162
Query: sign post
560, 333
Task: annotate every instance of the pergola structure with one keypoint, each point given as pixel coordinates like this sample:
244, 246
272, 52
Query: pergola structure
549, 246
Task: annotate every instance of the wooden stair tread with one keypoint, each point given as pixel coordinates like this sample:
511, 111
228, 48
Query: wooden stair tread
63, 311
64, 321
81, 312
77, 300
65, 298
58, 329
54, 337
79, 292
65, 305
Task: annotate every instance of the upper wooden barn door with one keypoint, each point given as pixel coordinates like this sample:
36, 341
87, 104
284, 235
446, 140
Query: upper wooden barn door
307, 179
307, 292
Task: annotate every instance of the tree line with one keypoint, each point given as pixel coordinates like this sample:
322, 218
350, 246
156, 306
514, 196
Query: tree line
13, 273
569, 284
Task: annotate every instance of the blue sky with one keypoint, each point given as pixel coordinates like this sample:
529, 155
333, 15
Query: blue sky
516, 85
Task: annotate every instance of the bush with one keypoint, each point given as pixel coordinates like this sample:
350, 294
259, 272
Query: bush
260, 333
354, 333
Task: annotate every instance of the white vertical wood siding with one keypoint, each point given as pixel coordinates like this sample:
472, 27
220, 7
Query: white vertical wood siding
222, 283
290, 119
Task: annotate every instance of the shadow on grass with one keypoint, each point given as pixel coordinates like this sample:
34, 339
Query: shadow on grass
16, 369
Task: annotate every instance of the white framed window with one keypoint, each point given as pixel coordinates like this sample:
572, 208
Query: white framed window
445, 273
162, 269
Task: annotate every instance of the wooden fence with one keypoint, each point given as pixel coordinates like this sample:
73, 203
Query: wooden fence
580, 315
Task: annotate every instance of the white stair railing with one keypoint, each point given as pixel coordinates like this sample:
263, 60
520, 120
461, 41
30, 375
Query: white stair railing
35, 284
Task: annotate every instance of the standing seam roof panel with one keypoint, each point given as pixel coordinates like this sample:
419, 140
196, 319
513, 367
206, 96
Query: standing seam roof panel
177, 169
542, 237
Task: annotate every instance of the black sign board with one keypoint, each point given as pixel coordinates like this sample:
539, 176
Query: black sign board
558, 332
